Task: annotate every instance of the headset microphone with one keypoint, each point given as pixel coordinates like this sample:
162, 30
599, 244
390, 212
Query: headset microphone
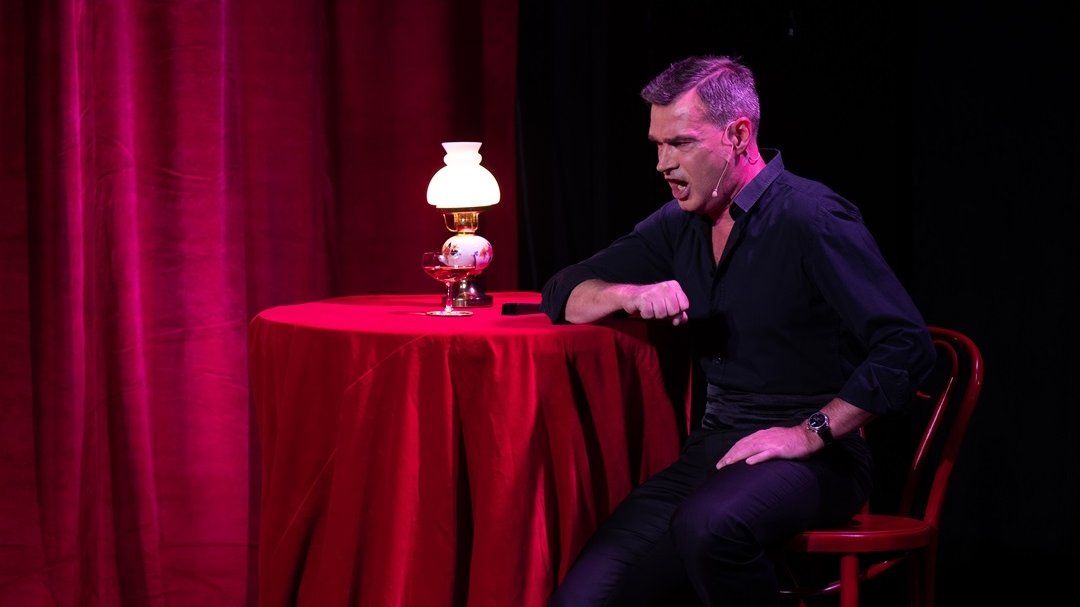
716, 190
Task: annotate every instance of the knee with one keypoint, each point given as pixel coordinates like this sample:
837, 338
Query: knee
562, 597
578, 589
706, 531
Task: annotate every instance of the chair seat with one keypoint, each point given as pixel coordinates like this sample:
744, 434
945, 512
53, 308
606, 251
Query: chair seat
866, 533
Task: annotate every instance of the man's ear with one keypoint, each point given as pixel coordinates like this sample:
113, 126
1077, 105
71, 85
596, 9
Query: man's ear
741, 133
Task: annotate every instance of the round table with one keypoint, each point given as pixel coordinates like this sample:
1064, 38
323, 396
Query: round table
410, 459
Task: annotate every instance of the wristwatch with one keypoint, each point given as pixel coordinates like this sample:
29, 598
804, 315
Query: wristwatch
818, 423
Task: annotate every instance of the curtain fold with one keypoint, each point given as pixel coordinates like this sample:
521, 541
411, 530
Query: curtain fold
167, 170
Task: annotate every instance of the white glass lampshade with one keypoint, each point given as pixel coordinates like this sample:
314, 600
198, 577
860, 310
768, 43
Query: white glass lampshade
463, 183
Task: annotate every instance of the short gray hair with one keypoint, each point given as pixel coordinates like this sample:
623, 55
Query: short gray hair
725, 86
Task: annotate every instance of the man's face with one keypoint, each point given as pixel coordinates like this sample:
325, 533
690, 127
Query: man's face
692, 154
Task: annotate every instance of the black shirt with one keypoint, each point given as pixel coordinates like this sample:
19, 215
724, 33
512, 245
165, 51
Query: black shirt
802, 306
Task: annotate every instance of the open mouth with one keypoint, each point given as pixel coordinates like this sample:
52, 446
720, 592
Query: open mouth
679, 189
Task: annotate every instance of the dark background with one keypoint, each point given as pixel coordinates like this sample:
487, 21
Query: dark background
955, 130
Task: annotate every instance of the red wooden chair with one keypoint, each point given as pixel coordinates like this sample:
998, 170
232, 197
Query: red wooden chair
875, 542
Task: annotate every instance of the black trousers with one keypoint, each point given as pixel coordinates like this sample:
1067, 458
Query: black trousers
692, 530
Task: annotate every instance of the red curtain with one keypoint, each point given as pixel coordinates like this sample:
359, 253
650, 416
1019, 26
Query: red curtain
167, 170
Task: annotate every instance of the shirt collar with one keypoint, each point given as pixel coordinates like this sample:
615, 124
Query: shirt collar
751, 193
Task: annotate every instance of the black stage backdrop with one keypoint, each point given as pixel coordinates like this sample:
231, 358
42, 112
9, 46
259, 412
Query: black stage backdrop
956, 131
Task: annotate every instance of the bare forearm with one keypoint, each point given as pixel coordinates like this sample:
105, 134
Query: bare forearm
845, 417
592, 300
595, 299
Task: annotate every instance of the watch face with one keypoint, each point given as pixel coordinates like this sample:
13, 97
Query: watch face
818, 421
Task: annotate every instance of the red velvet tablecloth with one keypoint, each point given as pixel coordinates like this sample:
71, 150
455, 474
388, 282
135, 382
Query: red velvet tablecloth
416, 460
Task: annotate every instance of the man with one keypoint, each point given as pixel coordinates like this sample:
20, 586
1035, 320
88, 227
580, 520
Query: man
799, 326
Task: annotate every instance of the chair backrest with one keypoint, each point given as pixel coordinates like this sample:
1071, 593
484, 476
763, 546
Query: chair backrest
951, 394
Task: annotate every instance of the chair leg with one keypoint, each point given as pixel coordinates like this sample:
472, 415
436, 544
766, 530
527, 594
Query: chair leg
929, 562
849, 580
921, 565
916, 578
